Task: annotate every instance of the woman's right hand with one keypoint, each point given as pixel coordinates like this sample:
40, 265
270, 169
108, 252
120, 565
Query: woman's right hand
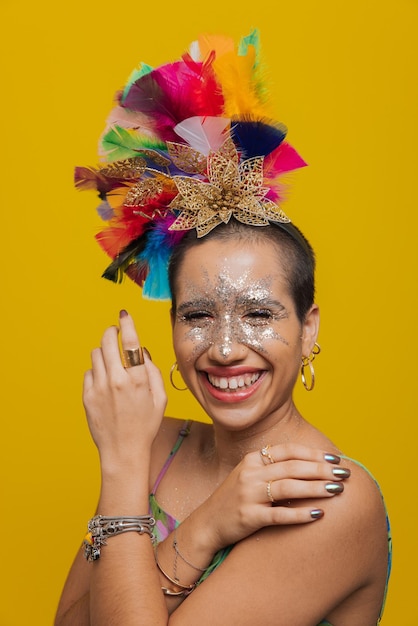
279, 486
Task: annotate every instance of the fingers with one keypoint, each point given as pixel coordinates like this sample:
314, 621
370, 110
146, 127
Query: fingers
277, 491
129, 342
305, 470
283, 516
129, 337
288, 451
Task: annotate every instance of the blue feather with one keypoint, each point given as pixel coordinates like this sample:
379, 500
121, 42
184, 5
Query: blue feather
157, 254
255, 138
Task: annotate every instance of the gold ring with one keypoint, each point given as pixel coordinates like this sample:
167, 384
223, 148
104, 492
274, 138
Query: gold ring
133, 357
266, 455
269, 494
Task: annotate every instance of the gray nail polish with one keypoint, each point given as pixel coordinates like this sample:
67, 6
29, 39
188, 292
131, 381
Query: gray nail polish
341, 472
332, 458
317, 513
334, 487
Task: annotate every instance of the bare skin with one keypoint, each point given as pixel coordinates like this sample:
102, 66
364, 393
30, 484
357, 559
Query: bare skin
286, 567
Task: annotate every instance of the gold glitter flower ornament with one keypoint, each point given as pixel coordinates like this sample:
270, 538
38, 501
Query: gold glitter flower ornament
234, 190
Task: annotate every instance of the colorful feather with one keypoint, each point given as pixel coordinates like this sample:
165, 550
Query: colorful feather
282, 160
135, 75
204, 134
156, 254
239, 75
123, 260
122, 143
167, 124
175, 92
90, 178
257, 138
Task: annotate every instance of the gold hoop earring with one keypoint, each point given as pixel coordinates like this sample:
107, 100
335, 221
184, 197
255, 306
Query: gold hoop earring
316, 350
307, 361
175, 368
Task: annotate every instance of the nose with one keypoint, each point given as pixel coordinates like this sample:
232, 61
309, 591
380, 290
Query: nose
225, 344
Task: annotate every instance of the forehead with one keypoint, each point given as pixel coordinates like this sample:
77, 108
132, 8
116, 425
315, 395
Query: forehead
228, 266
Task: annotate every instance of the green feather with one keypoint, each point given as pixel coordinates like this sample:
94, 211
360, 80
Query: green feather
136, 74
253, 39
123, 143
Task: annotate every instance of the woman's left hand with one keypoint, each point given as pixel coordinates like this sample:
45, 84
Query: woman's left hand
124, 405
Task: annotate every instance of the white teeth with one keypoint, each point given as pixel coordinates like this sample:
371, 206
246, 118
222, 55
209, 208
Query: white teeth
234, 381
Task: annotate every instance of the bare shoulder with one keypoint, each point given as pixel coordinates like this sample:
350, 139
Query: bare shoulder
333, 568
170, 429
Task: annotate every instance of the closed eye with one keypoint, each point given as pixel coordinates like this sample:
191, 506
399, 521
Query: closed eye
262, 314
195, 316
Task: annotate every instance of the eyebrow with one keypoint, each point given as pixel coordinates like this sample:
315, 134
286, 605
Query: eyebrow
244, 300
198, 303
261, 301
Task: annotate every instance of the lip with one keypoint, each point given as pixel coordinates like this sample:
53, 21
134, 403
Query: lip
231, 396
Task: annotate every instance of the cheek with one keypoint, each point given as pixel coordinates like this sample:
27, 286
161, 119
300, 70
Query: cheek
189, 344
263, 339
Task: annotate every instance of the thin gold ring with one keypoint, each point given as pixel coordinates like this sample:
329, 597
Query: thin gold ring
266, 455
133, 357
269, 494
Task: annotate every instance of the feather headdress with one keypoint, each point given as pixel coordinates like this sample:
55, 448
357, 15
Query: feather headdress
188, 145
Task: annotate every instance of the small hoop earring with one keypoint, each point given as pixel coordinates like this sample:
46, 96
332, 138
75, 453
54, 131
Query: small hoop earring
316, 350
307, 361
175, 368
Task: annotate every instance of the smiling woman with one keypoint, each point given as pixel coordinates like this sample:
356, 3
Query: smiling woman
236, 329
259, 496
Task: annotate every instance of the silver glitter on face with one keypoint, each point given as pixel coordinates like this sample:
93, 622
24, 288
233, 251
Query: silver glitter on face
229, 312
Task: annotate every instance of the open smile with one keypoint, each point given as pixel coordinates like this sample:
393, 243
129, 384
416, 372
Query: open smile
232, 383
232, 386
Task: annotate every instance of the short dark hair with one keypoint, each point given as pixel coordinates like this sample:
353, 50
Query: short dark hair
296, 253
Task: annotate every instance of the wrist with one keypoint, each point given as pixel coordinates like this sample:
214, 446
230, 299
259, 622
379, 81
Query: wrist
124, 489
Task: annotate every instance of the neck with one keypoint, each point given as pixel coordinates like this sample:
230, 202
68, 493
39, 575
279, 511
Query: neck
229, 447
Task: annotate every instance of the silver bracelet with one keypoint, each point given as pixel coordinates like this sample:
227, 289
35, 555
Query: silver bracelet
183, 558
101, 527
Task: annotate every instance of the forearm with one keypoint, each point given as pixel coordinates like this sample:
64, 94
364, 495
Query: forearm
125, 586
186, 554
77, 615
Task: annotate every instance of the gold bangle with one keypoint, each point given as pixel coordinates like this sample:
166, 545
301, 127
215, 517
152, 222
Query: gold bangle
172, 580
170, 592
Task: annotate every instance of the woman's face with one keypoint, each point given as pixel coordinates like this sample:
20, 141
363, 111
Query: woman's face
237, 337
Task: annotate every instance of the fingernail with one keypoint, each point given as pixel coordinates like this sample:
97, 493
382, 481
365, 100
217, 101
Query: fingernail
144, 349
341, 472
317, 513
123, 313
332, 458
334, 487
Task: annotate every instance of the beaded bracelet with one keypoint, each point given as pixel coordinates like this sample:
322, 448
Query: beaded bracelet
101, 527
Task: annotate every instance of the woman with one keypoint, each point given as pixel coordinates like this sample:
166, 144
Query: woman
255, 517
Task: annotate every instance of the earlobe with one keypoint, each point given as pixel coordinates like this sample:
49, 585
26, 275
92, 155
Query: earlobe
310, 330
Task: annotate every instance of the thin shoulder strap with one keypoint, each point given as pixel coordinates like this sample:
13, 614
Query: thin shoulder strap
184, 431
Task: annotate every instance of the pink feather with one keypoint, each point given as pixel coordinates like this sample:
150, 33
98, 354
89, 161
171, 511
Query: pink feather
175, 92
283, 159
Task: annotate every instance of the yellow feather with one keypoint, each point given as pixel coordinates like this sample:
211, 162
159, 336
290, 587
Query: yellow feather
238, 77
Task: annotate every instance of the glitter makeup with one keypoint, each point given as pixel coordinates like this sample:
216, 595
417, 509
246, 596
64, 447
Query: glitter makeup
231, 311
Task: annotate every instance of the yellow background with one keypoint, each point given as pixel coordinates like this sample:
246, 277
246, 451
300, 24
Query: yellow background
343, 78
